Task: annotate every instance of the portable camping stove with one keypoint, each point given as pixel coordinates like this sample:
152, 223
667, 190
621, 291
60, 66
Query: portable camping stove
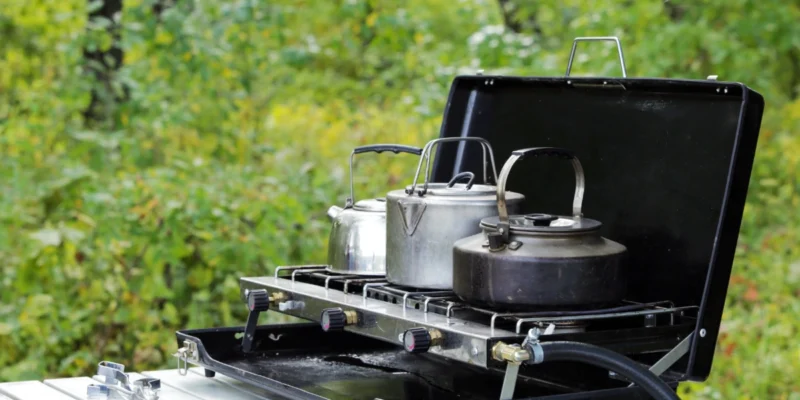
437, 322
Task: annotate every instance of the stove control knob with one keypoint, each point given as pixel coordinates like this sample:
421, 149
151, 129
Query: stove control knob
332, 319
258, 300
419, 340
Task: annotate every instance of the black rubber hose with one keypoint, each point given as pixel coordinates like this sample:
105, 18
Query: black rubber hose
607, 359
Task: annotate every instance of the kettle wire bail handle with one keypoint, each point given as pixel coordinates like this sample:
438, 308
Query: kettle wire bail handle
426, 159
580, 180
376, 148
597, 39
461, 176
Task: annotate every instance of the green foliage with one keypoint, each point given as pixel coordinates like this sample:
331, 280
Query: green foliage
224, 136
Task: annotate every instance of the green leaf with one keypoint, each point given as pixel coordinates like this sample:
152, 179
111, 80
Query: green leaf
94, 5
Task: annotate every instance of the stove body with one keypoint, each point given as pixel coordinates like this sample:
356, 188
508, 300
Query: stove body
384, 311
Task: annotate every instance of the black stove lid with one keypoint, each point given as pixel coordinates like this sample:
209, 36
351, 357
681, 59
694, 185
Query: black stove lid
667, 168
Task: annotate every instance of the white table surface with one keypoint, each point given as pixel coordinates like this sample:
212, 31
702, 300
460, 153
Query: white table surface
193, 386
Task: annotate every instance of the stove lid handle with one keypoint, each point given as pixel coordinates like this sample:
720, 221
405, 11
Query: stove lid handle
597, 39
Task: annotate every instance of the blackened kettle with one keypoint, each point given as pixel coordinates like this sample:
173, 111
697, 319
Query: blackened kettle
539, 260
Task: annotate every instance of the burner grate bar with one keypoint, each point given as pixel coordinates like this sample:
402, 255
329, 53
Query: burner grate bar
409, 294
330, 278
298, 268
361, 280
305, 271
428, 299
451, 305
421, 293
369, 285
590, 317
551, 315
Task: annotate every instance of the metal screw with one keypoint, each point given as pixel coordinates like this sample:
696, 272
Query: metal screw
473, 351
534, 333
702, 333
725, 90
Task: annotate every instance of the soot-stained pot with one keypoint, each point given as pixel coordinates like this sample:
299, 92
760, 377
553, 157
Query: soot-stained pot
525, 261
357, 243
423, 222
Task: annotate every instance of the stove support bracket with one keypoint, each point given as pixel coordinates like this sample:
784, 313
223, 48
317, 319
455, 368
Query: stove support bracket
509, 381
672, 356
669, 359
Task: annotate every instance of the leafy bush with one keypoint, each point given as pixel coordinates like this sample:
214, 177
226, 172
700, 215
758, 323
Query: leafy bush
223, 136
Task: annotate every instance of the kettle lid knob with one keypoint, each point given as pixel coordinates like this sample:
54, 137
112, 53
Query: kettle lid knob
541, 219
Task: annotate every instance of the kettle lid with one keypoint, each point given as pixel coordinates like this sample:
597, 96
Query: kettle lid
544, 223
373, 205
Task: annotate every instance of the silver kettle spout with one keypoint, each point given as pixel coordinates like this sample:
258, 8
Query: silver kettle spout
334, 212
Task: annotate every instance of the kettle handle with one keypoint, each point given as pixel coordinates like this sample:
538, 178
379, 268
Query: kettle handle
376, 148
580, 181
426, 158
461, 176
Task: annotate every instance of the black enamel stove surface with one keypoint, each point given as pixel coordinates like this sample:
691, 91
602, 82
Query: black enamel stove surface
299, 361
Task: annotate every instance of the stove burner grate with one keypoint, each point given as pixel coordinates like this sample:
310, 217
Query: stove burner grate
448, 304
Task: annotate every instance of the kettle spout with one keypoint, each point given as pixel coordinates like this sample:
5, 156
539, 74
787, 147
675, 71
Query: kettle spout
334, 212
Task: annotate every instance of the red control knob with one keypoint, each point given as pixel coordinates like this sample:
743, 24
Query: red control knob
333, 319
417, 340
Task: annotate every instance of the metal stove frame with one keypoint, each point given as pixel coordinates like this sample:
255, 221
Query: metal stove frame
386, 311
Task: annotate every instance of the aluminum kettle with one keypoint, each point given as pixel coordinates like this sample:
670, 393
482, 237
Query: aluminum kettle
357, 243
424, 220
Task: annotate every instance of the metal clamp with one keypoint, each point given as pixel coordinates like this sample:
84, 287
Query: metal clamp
597, 39
530, 352
117, 384
426, 158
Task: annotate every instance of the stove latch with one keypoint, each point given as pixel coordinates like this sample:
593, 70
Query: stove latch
185, 354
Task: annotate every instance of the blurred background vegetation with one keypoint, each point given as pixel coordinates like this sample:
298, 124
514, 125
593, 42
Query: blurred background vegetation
153, 151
